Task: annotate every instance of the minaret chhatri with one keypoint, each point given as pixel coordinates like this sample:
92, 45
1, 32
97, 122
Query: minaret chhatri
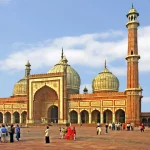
28, 69
133, 88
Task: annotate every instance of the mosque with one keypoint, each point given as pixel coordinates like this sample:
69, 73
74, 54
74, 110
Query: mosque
54, 96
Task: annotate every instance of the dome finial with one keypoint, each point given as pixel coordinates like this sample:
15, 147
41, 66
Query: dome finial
132, 5
105, 63
62, 53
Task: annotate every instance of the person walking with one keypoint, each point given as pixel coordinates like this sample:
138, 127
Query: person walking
106, 127
47, 135
17, 132
142, 127
98, 129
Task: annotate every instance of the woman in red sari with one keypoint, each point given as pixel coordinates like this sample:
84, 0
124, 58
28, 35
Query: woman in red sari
68, 133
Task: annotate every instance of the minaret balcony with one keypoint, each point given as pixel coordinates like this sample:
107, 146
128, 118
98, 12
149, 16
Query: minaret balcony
132, 56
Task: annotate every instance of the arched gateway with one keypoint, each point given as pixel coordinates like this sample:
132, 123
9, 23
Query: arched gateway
53, 114
43, 98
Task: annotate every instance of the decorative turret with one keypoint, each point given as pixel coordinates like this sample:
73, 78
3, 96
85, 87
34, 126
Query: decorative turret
28, 69
85, 90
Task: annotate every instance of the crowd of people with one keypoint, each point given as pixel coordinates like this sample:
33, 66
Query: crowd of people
8, 130
118, 126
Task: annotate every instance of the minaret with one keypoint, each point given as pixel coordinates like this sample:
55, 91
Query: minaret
132, 91
65, 104
28, 69
27, 73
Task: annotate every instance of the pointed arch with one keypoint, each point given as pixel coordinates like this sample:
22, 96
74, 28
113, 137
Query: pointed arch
42, 96
84, 116
107, 116
1, 117
73, 116
7, 117
52, 114
120, 116
24, 117
16, 117
95, 116
144, 121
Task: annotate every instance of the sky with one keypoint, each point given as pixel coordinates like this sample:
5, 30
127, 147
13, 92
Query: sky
89, 31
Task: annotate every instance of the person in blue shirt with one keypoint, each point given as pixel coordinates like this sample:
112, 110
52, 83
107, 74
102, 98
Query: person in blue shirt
17, 132
3, 133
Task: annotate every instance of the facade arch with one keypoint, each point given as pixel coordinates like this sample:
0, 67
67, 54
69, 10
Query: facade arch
42, 86
95, 116
23, 117
145, 121
42, 97
85, 110
120, 116
7, 117
107, 116
16, 117
84, 116
73, 116
52, 114
1, 117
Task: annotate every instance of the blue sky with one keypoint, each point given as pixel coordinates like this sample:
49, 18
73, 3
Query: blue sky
89, 31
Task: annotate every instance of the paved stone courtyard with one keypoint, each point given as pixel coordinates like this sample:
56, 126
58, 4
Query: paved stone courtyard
33, 139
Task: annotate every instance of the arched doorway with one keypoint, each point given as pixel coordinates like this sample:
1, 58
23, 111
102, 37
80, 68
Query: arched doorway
120, 116
53, 114
95, 116
16, 117
148, 122
107, 116
7, 117
73, 117
1, 117
24, 117
42, 97
84, 116
144, 121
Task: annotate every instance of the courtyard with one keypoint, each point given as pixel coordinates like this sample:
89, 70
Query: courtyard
32, 138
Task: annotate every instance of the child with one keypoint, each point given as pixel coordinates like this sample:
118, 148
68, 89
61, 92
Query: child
74, 133
60, 132
63, 132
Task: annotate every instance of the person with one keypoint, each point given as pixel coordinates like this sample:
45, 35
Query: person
142, 127
60, 132
74, 133
47, 135
106, 126
0, 134
3, 135
63, 132
113, 126
68, 135
98, 129
17, 132
12, 131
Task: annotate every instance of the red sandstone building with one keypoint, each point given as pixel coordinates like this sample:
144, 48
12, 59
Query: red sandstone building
54, 96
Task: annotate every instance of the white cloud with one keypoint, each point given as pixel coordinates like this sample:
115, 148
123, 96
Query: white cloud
146, 99
86, 50
4, 2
